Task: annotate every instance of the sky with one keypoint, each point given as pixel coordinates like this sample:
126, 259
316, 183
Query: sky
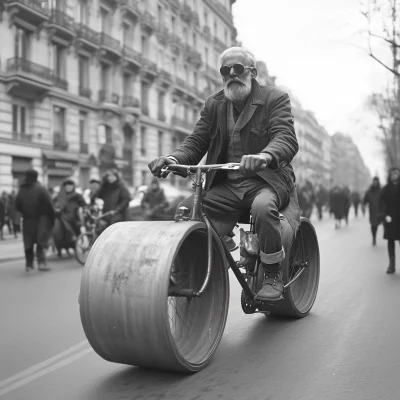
318, 49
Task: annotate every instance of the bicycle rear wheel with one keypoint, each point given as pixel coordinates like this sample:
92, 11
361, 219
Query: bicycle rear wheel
83, 245
128, 310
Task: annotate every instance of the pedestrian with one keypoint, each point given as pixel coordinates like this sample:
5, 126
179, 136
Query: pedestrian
372, 199
13, 215
2, 217
355, 199
337, 205
115, 195
154, 202
347, 202
306, 198
321, 199
389, 208
34, 203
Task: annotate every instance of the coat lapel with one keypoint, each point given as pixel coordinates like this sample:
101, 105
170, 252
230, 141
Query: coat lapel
222, 112
251, 105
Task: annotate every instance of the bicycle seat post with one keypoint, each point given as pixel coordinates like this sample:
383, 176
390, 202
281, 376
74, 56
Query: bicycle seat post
198, 197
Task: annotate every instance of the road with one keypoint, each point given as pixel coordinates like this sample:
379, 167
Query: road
347, 348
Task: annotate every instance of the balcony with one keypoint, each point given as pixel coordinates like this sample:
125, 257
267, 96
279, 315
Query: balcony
207, 32
27, 79
32, 12
22, 137
174, 4
219, 44
148, 22
162, 34
61, 25
164, 78
85, 92
109, 47
130, 9
175, 43
182, 123
84, 148
186, 13
86, 37
60, 82
132, 56
59, 142
131, 104
149, 69
109, 101
195, 18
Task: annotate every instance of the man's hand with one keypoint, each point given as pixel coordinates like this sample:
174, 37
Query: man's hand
253, 163
156, 165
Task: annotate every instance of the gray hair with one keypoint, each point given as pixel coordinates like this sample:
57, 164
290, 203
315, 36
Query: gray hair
248, 55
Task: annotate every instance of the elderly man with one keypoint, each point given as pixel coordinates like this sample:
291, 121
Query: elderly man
252, 125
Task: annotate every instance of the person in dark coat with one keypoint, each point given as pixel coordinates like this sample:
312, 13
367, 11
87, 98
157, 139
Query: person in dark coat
355, 199
306, 198
321, 200
337, 205
7, 221
389, 207
154, 202
13, 214
2, 217
347, 202
371, 199
115, 194
34, 203
69, 205
252, 125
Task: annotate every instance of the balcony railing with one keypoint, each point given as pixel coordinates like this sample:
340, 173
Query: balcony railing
147, 21
22, 137
131, 53
60, 82
165, 75
130, 101
132, 6
59, 142
109, 41
181, 83
181, 122
85, 92
84, 32
84, 148
108, 97
37, 5
195, 18
149, 66
162, 34
18, 64
62, 19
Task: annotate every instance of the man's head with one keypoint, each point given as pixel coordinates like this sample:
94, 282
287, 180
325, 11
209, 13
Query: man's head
31, 175
111, 175
394, 174
69, 185
375, 181
238, 69
94, 185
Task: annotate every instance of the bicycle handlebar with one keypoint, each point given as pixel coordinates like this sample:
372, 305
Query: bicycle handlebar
206, 168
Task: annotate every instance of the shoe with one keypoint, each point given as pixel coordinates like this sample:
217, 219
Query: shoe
29, 267
42, 266
391, 268
272, 288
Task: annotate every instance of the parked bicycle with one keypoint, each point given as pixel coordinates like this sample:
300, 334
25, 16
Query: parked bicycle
156, 294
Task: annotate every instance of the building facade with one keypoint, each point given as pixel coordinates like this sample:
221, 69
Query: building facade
87, 85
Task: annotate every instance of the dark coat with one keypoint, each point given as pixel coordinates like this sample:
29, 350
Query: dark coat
154, 198
389, 204
337, 200
34, 203
116, 197
2, 212
267, 127
372, 199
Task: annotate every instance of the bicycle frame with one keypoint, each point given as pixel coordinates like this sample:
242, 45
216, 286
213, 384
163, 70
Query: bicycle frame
198, 214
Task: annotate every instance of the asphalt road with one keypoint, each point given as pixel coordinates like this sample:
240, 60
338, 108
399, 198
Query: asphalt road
347, 348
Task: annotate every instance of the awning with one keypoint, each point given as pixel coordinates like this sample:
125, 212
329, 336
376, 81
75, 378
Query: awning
59, 172
61, 156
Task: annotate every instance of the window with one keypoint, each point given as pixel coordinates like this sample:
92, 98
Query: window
128, 33
105, 77
83, 71
143, 141
194, 41
59, 61
144, 177
161, 114
59, 122
174, 66
105, 21
206, 55
195, 79
128, 85
205, 18
18, 118
160, 142
22, 44
83, 127
160, 14
145, 46
83, 12
215, 29
226, 36
145, 98
186, 72
173, 21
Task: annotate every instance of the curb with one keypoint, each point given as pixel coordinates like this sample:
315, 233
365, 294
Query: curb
4, 260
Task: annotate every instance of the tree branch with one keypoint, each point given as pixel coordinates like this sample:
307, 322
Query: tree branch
392, 42
384, 65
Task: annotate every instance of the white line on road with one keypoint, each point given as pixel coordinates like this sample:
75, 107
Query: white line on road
44, 368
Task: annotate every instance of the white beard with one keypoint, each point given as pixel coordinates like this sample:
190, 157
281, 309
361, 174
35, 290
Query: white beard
238, 91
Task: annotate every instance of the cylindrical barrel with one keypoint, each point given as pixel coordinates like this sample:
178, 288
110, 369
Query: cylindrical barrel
124, 302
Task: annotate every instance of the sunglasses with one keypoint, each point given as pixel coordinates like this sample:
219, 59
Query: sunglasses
225, 70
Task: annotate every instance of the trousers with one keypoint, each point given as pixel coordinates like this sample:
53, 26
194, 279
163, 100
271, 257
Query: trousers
225, 203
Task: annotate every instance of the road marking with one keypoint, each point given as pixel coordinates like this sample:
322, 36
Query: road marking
45, 367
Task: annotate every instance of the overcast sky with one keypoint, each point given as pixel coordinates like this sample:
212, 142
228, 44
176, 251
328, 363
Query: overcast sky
319, 51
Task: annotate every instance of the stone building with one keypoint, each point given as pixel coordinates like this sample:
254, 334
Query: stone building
86, 85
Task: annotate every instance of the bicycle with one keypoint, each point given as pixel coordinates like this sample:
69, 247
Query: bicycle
85, 240
156, 294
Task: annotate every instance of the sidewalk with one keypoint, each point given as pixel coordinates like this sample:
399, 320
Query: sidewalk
11, 248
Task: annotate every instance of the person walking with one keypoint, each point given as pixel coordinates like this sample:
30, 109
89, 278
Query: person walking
13, 215
389, 206
337, 205
321, 199
371, 198
154, 202
115, 194
347, 202
34, 203
2, 217
355, 199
